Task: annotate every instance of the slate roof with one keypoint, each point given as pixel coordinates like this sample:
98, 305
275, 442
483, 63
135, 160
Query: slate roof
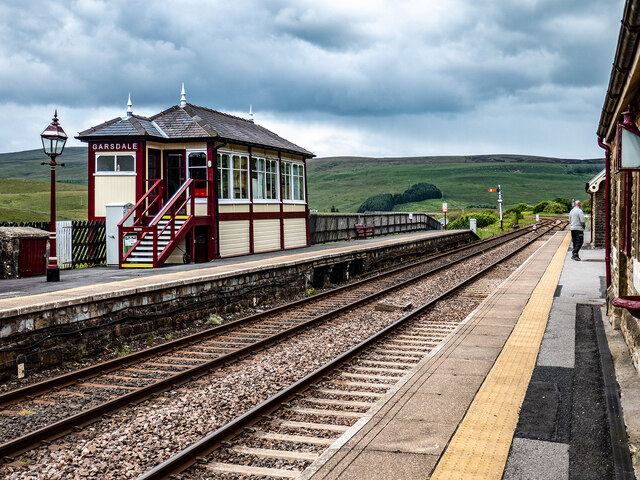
192, 122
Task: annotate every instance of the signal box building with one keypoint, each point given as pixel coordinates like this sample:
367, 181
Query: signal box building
204, 185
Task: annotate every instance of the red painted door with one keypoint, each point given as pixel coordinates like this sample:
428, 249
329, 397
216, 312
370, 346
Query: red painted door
32, 261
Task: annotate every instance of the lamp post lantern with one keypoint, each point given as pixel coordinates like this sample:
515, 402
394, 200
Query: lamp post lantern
53, 140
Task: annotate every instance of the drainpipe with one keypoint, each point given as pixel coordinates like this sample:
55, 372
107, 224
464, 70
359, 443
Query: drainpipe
607, 212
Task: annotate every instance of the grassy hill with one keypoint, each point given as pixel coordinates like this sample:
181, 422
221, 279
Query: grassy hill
27, 165
28, 200
345, 182
342, 182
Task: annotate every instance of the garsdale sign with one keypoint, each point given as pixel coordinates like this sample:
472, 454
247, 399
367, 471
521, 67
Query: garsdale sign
114, 147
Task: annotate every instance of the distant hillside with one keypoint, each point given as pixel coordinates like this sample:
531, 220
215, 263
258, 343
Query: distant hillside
27, 165
345, 182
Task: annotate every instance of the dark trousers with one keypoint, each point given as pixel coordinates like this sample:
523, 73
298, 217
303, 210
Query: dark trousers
577, 237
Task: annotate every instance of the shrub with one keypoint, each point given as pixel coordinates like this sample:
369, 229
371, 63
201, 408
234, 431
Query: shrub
539, 208
484, 219
563, 201
521, 207
554, 208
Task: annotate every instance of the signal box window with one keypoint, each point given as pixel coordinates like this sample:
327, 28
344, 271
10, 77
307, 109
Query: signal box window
233, 174
115, 163
292, 181
197, 170
264, 178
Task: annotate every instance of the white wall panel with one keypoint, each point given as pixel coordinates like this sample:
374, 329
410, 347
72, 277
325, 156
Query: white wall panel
234, 237
113, 188
266, 235
295, 232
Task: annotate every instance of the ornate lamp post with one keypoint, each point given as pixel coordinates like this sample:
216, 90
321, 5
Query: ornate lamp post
53, 140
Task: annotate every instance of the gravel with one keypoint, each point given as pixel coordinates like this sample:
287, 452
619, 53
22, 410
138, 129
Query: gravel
137, 438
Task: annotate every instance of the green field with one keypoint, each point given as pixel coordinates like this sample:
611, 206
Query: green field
346, 182
28, 200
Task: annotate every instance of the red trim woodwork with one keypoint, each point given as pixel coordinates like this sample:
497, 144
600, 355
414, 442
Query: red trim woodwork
140, 170
306, 201
260, 216
281, 201
91, 185
212, 233
251, 217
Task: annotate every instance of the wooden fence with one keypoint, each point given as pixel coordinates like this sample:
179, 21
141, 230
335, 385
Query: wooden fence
78, 243
341, 226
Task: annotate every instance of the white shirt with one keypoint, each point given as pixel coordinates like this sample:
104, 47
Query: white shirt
576, 219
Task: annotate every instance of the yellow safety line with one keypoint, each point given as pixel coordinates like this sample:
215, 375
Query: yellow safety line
480, 446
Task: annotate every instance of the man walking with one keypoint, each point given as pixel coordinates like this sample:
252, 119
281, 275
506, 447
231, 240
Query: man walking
576, 220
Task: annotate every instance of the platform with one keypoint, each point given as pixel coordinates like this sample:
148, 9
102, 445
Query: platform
44, 324
513, 393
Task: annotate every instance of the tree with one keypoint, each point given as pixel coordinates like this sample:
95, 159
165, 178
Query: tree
563, 201
540, 207
382, 202
385, 202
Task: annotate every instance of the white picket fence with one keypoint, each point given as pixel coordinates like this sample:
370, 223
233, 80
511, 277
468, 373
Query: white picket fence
64, 244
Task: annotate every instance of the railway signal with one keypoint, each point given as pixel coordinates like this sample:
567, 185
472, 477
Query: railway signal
499, 190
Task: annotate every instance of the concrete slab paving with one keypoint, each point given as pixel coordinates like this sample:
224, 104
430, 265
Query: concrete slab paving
376, 465
413, 420
552, 460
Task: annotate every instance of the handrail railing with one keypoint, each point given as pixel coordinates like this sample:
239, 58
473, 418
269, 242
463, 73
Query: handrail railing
149, 194
183, 197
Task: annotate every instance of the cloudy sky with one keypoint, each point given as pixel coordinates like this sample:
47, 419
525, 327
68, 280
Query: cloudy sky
338, 77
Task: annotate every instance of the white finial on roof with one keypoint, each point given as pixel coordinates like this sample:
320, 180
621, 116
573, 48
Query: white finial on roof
129, 105
183, 98
251, 112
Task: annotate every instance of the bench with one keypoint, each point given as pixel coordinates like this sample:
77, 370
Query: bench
362, 231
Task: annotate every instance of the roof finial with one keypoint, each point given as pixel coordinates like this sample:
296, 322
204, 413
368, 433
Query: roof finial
129, 105
183, 98
251, 112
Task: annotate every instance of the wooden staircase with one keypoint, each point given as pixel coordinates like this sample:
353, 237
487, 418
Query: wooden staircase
156, 237
142, 253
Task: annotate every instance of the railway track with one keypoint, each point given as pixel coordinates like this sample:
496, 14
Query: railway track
237, 344
285, 434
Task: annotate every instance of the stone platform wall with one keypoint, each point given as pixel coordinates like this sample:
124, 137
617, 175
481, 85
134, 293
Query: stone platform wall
45, 335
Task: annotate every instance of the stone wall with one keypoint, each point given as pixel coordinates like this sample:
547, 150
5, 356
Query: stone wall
48, 334
10, 248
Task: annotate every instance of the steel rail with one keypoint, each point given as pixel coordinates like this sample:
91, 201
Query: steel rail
187, 457
55, 430
102, 368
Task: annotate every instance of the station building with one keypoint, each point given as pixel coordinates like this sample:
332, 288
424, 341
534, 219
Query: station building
619, 135
204, 185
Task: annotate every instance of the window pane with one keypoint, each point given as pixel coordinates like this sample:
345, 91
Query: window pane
125, 163
198, 159
105, 163
224, 184
173, 160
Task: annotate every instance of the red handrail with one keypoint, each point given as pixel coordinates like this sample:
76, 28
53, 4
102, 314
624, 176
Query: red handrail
171, 208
